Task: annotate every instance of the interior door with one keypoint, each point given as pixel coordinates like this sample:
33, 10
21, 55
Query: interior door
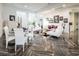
73, 34
76, 16
78, 28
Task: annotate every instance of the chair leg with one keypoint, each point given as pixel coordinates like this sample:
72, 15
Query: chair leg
6, 44
31, 39
23, 48
15, 48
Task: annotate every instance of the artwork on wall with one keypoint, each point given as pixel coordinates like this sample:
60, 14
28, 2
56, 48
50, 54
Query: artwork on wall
12, 18
61, 18
47, 19
70, 23
56, 19
65, 20
50, 20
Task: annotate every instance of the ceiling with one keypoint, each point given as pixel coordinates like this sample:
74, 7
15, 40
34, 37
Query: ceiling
38, 7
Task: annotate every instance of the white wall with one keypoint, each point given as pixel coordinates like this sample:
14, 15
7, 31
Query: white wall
10, 10
0, 10
0, 20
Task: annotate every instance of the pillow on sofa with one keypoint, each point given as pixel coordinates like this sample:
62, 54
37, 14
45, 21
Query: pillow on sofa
49, 27
52, 26
56, 27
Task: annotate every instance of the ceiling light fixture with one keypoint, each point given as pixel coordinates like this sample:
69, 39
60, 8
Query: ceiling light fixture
64, 5
25, 6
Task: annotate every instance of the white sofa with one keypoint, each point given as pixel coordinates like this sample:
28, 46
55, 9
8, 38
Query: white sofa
56, 32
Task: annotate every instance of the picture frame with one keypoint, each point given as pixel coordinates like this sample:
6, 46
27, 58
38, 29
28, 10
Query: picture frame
61, 18
70, 23
56, 19
11, 17
51, 20
47, 19
65, 20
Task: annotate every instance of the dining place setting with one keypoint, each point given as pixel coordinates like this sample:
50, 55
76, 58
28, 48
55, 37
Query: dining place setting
18, 37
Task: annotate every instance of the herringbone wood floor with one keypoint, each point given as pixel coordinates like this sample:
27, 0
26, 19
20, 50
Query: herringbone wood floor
42, 46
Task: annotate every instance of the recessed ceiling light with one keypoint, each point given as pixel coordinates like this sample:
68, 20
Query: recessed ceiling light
25, 6
64, 5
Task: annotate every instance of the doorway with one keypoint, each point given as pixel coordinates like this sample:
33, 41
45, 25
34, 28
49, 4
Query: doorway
74, 27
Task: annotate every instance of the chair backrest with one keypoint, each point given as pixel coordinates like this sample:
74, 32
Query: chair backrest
6, 30
12, 24
30, 31
59, 29
19, 36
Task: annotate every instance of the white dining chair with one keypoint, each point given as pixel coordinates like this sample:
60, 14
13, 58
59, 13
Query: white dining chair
19, 38
31, 34
8, 38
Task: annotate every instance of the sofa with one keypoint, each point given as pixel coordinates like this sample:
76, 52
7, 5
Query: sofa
55, 30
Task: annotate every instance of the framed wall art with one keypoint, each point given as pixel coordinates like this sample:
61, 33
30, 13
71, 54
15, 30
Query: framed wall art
70, 23
11, 17
47, 19
56, 19
65, 20
61, 18
51, 20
